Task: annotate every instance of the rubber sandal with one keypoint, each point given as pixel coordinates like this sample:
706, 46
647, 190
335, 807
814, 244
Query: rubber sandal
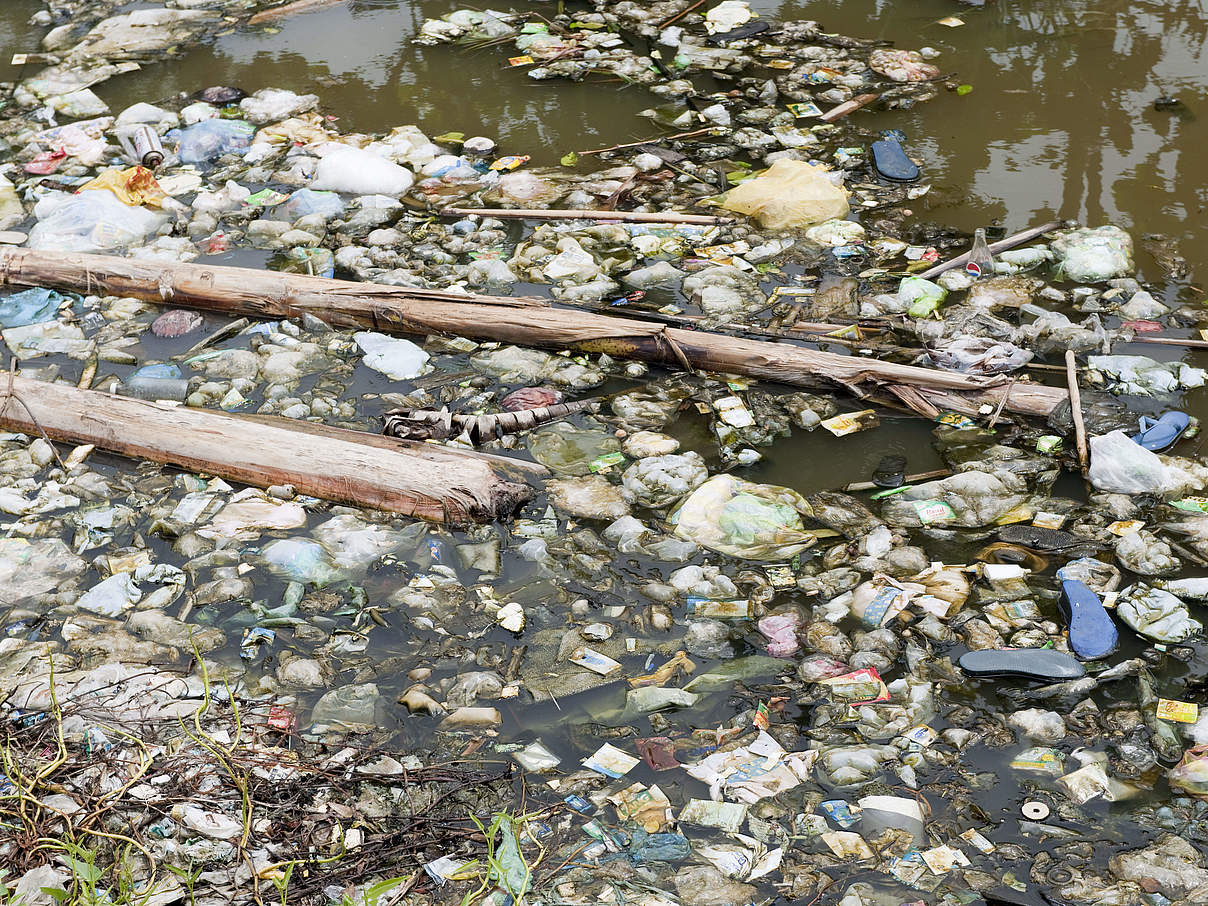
1092, 631
1025, 663
1162, 433
892, 163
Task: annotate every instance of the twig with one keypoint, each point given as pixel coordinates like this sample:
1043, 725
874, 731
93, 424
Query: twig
1172, 341
682, 13
909, 479
1071, 376
1001, 246
860, 100
650, 141
576, 214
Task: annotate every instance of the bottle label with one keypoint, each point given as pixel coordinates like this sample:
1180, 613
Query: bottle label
973, 269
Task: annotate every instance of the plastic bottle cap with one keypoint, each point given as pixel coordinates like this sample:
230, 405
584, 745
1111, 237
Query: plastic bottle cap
1035, 811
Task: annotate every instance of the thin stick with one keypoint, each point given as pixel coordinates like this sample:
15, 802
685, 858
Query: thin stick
860, 100
1172, 341
650, 141
682, 13
574, 214
1071, 377
909, 479
1001, 246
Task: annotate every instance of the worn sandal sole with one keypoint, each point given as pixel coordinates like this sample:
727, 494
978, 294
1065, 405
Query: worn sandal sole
1025, 663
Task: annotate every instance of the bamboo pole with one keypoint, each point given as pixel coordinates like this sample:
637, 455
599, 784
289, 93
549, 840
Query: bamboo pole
523, 321
575, 214
421, 480
1001, 246
1071, 377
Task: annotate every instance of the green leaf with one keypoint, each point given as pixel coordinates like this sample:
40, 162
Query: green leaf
83, 870
450, 137
58, 894
963, 90
569, 160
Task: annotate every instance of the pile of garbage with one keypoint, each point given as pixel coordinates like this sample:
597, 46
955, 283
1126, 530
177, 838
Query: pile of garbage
668, 679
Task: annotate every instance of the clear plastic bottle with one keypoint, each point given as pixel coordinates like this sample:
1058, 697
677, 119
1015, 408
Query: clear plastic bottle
981, 263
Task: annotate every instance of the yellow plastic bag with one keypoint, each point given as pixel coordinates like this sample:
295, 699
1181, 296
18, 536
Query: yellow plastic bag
133, 186
789, 194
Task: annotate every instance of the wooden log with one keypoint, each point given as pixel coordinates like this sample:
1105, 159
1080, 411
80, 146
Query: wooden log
576, 214
523, 321
290, 9
421, 480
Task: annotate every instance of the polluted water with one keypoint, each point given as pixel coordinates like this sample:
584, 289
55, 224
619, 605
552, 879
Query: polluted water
602, 452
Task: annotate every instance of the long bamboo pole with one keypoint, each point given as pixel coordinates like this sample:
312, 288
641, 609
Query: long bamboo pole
420, 480
526, 322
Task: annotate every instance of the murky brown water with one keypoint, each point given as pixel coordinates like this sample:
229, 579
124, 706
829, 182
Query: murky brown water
1060, 123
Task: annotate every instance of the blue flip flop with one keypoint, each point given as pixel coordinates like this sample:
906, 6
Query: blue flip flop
1093, 633
1157, 435
891, 161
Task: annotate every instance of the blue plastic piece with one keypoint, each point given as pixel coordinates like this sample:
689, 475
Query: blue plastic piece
1162, 433
1092, 631
31, 306
659, 847
892, 163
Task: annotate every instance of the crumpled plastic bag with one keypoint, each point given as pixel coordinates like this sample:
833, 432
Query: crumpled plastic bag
1119, 465
1143, 376
744, 519
133, 186
1094, 255
662, 480
920, 297
727, 16
978, 355
1156, 614
94, 221
790, 193
211, 139
1191, 774
355, 171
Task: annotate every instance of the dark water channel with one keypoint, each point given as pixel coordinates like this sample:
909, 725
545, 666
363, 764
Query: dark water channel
1060, 123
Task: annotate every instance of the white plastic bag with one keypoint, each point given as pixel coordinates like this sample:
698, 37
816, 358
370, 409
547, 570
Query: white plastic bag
357, 172
1119, 465
94, 221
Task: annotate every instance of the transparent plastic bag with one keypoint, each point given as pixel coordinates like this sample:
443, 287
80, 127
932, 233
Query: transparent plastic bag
94, 221
1119, 465
211, 139
790, 193
744, 519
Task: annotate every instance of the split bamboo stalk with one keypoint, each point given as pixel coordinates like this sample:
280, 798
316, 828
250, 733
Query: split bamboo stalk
1071, 376
421, 480
523, 321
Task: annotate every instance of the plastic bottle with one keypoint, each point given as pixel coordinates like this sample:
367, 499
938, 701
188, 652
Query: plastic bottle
981, 263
